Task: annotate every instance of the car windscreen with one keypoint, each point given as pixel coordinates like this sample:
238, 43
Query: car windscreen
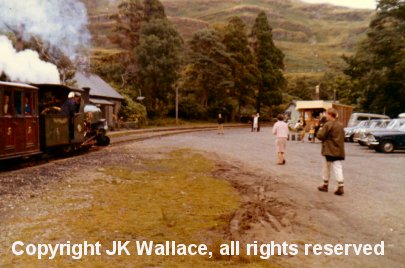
362, 124
392, 124
401, 125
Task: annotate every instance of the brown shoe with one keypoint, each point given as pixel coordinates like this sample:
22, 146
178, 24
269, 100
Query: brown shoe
323, 188
339, 191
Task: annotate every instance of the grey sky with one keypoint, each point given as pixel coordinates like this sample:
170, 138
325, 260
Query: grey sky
371, 4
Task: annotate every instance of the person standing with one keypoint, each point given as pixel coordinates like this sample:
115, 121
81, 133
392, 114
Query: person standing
252, 120
333, 149
220, 124
256, 124
280, 130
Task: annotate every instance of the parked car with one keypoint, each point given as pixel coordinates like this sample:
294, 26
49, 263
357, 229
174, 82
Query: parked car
356, 118
394, 124
360, 133
349, 131
388, 141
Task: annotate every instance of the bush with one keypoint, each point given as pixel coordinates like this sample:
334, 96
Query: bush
191, 110
133, 111
224, 108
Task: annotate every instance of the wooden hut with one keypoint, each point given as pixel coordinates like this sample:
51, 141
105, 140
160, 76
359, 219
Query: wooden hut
314, 110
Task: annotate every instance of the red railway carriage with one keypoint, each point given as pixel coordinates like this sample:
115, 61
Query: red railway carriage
19, 120
43, 118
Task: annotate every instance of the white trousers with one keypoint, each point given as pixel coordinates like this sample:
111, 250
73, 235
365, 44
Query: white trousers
333, 167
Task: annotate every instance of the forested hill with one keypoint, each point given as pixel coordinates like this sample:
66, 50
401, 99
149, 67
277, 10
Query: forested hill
313, 36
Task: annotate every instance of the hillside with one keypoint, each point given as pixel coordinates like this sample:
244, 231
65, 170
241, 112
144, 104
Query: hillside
313, 36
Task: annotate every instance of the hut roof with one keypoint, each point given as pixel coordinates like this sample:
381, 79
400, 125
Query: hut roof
98, 87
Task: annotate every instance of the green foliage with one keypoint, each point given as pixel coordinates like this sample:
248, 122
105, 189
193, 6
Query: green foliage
226, 76
190, 109
270, 62
125, 35
331, 85
128, 24
133, 111
148, 55
337, 85
158, 59
244, 72
378, 65
313, 37
153, 9
122, 67
207, 75
302, 86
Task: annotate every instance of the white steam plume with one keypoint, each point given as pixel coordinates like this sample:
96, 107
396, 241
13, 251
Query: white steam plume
25, 66
61, 23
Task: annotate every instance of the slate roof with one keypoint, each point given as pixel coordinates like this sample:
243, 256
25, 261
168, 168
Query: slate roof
101, 101
98, 87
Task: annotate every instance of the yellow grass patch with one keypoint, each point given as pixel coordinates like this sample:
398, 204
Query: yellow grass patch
171, 198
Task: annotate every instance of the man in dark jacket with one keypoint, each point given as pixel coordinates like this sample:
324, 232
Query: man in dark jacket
70, 108
333, 149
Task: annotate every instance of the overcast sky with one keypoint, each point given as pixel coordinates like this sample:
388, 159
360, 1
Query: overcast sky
371, 4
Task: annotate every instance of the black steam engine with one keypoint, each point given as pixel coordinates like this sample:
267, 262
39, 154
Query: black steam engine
35, 119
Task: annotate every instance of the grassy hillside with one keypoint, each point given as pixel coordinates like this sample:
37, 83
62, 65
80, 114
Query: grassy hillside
313, 36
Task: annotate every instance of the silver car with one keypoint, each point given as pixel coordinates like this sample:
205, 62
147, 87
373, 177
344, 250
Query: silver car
349, 131
394, 124
360, 133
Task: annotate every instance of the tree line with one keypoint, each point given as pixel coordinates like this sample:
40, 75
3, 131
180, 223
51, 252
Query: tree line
227, 69
234, 69
373, 78
377, 69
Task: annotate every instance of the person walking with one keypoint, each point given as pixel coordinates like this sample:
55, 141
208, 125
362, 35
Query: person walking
220, 125
333, 149
300, 129
280, 130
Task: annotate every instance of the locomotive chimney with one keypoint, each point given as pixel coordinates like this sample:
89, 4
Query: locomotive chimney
86, 95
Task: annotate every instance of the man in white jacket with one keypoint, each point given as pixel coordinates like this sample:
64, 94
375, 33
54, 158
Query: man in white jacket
280, 130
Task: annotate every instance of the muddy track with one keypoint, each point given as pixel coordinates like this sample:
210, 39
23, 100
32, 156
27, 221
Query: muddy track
261, 208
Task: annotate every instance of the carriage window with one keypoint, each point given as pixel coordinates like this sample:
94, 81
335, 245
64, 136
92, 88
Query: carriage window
27, 103
6, 103
17, 102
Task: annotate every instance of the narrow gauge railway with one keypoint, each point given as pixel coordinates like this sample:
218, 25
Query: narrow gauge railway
21, 163
47, 119
46, 122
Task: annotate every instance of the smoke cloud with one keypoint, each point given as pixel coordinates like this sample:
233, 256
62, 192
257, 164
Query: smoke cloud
61, 23
25, 66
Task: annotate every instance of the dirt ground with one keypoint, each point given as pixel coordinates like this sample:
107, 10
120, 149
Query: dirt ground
276, 203
372, 209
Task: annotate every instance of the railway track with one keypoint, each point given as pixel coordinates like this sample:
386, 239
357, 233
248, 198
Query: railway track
117, 138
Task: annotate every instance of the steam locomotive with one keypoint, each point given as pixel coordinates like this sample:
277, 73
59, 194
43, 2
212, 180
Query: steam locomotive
42, 118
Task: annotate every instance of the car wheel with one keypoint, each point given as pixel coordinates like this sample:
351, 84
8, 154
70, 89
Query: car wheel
351, 138
387, 147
